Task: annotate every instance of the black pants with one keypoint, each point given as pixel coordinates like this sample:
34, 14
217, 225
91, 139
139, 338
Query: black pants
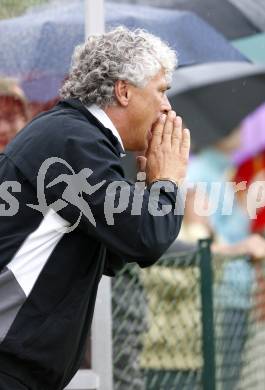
9, 383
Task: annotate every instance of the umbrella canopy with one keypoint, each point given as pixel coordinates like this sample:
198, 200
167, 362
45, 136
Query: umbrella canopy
253, 10
231, 19
252, 47
37, 46
214, 98
253, 136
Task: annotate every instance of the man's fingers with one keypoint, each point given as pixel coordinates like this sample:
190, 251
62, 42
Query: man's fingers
185, 144
141, 163
177, 133
157, 131
168, 128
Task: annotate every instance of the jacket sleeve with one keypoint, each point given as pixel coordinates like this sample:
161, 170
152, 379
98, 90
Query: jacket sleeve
131, 233
113, 264
85, 175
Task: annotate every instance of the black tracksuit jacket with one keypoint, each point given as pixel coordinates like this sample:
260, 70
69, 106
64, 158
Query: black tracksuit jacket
49, 276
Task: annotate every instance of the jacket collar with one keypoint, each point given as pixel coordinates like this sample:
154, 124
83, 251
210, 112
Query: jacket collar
75, 103
101, 115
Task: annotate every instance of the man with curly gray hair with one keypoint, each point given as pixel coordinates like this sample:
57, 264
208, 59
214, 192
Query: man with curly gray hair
124, 74
134, 56
89, 220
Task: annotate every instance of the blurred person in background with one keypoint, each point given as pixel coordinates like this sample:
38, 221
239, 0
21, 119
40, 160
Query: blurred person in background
250, 161
252, 170
13, 110
250, 167
232, 236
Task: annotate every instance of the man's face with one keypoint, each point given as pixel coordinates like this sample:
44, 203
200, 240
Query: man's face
145, 107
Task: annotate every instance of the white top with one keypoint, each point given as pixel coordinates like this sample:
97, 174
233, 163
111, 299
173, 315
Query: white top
106, 122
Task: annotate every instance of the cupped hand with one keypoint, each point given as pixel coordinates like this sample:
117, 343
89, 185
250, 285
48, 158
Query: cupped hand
168, 151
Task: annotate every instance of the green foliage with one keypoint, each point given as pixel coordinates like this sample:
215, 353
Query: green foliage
12, 8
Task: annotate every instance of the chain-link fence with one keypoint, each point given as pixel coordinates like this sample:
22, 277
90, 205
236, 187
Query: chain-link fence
190, 322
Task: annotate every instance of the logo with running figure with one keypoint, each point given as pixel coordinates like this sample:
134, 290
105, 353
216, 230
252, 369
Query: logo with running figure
76, 186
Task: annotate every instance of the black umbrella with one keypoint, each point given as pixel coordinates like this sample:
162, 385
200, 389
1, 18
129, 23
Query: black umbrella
213, 98
230, 17
253, 10
47, 37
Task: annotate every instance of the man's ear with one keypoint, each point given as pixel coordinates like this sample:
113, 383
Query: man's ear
122, 92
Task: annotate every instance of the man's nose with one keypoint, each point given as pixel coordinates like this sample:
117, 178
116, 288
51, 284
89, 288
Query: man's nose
166, 106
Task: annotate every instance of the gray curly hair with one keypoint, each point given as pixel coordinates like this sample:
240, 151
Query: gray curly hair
121, 54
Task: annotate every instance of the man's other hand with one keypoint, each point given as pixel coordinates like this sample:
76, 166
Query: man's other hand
168, 151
